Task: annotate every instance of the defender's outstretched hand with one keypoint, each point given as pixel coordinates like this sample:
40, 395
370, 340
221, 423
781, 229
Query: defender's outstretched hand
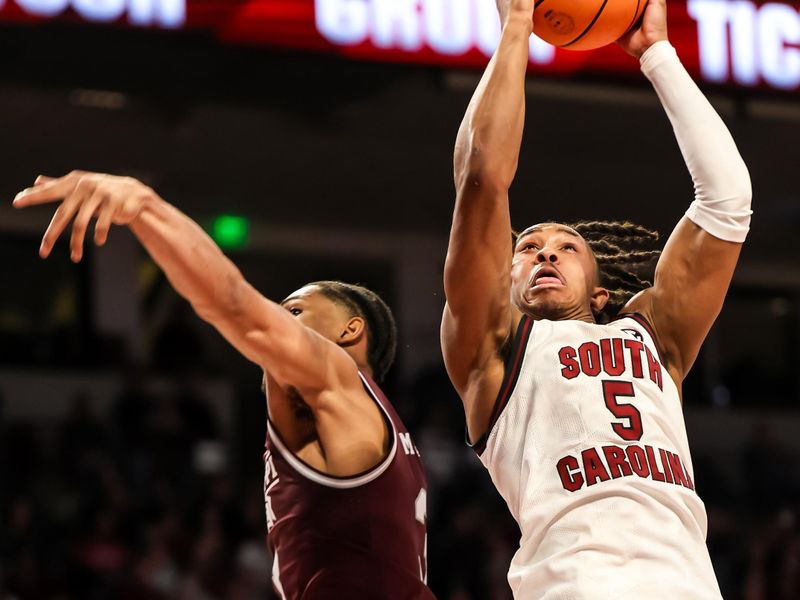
83, 196
651, 29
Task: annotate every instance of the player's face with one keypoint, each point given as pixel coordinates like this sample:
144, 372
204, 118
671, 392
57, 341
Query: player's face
553, 273
315, 310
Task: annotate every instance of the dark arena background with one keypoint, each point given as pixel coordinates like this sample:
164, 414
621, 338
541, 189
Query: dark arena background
313, 139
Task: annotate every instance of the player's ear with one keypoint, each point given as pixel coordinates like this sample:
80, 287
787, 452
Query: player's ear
599, 299
353, 331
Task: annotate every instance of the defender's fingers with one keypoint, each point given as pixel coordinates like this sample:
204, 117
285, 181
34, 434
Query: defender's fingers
103, 224
60, 220
52, 191
81, 224
42, 179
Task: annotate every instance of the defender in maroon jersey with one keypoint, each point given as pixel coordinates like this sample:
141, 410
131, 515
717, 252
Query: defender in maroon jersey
357, 531
344, 486
348, 537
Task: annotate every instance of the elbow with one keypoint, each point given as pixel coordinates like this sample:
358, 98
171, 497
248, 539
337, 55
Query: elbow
481, 172
741, 186
745, 187
477, 166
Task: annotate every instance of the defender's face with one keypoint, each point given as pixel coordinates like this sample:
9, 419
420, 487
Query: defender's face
553, 272
315, 310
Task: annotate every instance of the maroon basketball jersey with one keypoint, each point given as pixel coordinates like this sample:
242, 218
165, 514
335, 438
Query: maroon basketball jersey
360, 537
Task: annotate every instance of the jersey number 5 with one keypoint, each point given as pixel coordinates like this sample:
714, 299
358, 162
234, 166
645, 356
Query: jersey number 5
632, 431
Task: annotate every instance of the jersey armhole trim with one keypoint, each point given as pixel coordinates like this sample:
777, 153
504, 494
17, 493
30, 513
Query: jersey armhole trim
332, 481
641, 320
512, 371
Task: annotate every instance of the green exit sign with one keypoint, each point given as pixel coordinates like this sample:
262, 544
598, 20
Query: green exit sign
230, 231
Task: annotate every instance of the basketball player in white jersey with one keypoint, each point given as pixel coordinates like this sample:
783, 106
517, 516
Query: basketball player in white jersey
568, 364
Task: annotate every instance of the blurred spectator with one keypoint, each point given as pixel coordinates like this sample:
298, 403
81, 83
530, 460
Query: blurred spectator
770, 474
81, 433
179, 347
147, 505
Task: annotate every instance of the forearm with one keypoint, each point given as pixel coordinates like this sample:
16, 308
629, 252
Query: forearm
194, 265
490, 135
721, 180
260, 329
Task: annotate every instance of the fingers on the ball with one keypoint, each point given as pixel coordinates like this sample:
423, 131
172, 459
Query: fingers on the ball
87, 211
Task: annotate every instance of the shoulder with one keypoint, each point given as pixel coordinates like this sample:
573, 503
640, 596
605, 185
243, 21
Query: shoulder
641, 309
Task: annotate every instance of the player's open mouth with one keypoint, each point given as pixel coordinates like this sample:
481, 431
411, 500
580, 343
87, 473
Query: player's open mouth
547, 277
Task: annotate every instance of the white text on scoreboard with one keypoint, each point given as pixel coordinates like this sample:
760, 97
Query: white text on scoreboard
161, 13
747, 43
448, 27
739, 41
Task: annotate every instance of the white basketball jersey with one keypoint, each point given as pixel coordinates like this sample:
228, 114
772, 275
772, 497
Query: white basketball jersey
588, 447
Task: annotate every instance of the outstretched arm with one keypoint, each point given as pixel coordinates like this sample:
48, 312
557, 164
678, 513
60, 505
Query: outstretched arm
260, 329
478, 316
696, 267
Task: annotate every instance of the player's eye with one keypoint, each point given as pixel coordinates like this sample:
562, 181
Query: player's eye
570, 247
295, 311
530, 246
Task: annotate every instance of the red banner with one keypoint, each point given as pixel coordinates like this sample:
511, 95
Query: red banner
733, 42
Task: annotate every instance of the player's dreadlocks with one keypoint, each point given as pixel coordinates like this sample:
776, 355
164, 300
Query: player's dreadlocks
381, 328
626, 256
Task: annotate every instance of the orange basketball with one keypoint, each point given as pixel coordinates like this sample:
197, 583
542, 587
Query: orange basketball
585, 24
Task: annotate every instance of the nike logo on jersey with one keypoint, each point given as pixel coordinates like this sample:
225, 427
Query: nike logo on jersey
635, 333
613, 357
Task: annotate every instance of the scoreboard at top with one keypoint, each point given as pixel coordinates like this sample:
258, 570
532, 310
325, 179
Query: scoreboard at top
733, 42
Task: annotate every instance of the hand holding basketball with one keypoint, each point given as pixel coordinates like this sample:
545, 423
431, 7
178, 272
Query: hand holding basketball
111, 199
652, 29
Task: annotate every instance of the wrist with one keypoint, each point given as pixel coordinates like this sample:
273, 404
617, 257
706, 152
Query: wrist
147, 202
656, 54
646, 48
519, 21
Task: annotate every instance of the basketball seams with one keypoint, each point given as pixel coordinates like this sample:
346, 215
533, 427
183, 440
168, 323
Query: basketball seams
589, 26
612, 19
635, 18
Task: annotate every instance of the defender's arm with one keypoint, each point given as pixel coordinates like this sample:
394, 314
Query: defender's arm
260, 329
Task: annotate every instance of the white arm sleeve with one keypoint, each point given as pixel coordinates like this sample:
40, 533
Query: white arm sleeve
721, 181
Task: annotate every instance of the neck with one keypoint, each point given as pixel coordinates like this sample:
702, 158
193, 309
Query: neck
574, 314
360, 358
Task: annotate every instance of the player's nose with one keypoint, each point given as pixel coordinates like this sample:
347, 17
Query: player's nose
545, 255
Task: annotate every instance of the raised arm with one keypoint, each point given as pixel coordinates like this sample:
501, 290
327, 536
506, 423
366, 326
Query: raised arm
260, 329
478, 316
696, 267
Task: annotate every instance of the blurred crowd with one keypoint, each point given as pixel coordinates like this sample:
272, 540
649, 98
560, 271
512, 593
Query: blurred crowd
151, 502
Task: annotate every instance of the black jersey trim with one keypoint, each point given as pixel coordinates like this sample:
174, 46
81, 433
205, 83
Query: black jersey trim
512, 370
351, 481
641, 320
